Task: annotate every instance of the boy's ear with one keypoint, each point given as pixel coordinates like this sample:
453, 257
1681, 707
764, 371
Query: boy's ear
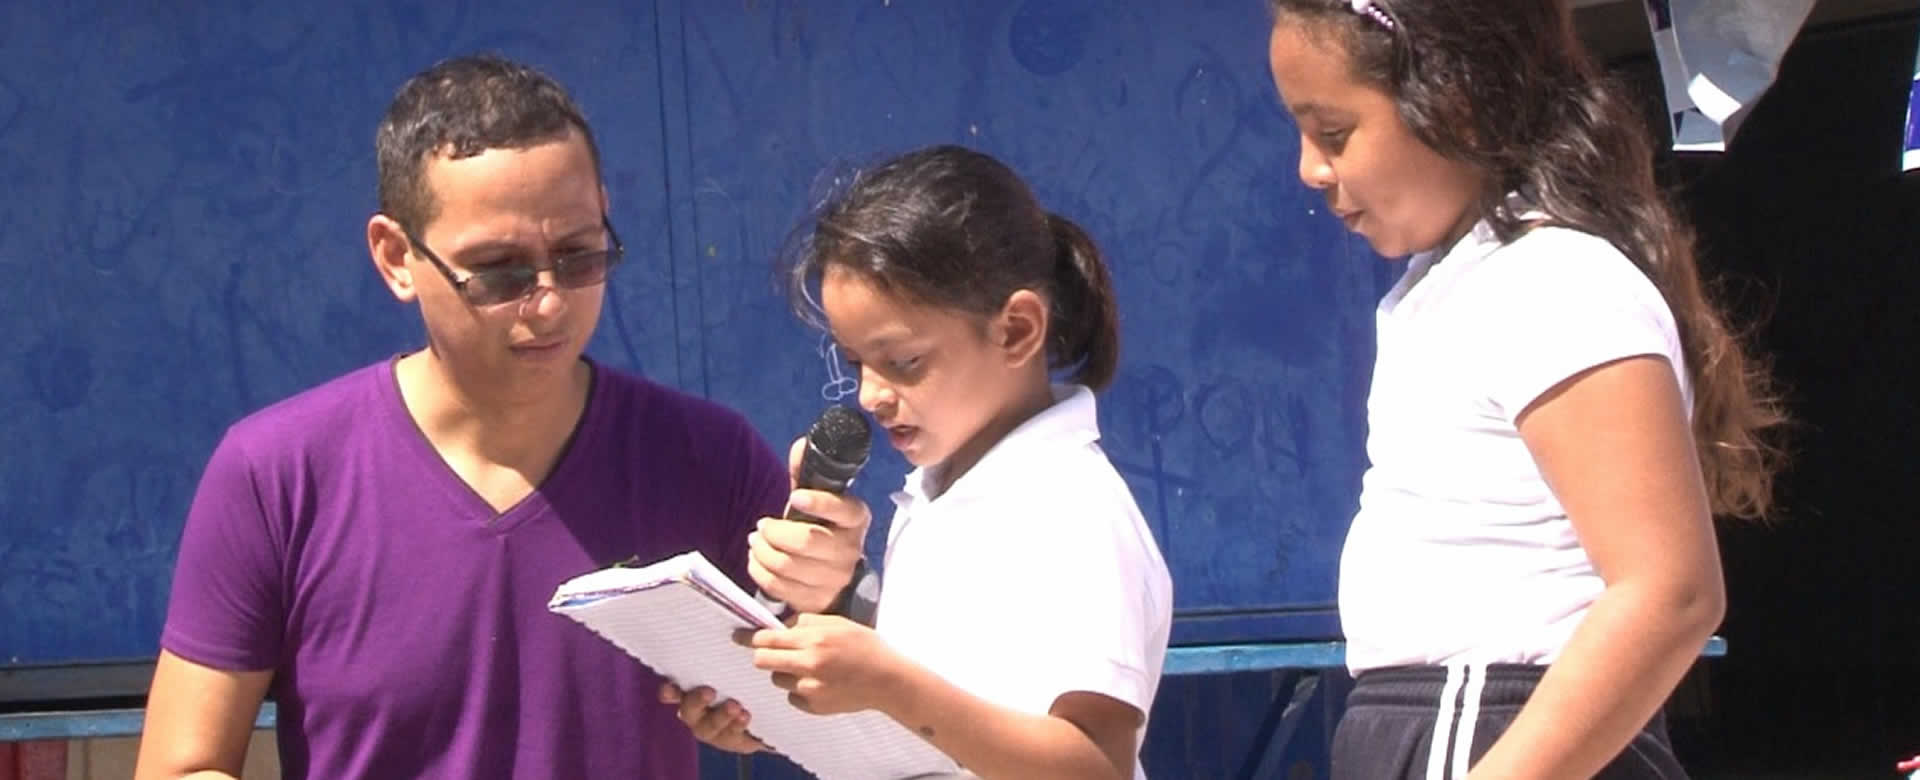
388, 244
1019, 332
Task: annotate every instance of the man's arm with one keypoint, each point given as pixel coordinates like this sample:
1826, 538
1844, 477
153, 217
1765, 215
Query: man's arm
198, 720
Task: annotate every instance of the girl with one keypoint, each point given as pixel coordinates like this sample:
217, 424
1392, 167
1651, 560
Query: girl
1026, 606
1556, 413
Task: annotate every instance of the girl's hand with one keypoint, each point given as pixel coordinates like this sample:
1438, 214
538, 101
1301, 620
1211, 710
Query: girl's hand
807, 564
722, 725
828, 664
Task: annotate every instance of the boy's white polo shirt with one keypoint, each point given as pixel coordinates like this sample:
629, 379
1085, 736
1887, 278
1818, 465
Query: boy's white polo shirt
1460, 552
1034, 575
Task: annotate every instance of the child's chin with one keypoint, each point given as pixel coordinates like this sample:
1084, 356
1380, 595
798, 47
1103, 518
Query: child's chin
1387, 251
914, 456
916, 453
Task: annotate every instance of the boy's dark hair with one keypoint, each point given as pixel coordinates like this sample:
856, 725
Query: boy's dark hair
1507, 87
460, 108
951, 227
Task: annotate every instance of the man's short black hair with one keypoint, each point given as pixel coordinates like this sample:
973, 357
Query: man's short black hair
460, 108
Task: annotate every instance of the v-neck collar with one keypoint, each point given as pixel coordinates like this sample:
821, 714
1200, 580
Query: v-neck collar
457, 490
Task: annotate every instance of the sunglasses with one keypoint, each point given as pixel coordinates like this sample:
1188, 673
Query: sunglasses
510, 282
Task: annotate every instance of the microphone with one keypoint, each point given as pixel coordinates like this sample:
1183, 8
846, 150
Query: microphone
836, 448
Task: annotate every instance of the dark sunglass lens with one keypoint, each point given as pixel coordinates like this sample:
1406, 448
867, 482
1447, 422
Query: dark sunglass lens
582, 270
500, 285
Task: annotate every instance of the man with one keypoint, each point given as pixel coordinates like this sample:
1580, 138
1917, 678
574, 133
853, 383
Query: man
377, 553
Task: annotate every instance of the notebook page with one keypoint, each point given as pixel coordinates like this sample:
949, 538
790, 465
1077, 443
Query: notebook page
620, 579
687, 637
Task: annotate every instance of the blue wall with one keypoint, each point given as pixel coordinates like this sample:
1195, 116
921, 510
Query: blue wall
189, 184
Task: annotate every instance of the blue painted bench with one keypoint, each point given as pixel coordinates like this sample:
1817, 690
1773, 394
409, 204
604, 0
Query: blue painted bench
87, 724
1302, 663
1262, 657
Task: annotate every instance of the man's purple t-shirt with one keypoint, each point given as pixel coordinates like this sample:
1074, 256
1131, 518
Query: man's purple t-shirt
406, 620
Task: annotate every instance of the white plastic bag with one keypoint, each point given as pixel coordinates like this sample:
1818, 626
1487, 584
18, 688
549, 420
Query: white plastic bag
1717, 57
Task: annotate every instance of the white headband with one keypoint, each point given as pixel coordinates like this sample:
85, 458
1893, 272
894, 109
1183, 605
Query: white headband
1367, 8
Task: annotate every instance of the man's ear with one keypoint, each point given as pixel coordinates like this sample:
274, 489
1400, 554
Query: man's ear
388, 245
1019, 331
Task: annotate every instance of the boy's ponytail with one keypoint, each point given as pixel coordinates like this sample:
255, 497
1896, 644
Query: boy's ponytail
1085, 331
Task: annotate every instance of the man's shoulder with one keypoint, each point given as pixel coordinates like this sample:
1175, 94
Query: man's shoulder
711, 455
663, 410
319, 413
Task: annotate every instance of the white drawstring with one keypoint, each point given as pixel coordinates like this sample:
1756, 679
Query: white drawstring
1469, 715
1437, 753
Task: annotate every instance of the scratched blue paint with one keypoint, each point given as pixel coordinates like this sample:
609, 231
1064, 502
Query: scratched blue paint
1048, 37
186, 234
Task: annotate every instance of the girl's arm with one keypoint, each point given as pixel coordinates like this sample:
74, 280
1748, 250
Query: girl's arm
1615, 447
832, 665
1084, 735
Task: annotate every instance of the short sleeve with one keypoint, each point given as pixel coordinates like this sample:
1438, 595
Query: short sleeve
1091, 611
227, 607
1579, 305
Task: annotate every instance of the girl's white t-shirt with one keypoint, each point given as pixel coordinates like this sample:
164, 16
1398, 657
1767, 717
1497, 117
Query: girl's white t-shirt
1034, 574
1460, 553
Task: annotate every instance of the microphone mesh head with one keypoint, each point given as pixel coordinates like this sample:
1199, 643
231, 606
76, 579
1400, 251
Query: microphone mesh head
841, 434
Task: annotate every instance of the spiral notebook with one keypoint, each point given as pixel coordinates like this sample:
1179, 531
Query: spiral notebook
678, 616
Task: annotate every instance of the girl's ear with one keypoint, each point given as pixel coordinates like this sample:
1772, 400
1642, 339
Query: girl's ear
1019, 331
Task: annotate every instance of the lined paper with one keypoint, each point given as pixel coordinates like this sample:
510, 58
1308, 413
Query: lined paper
678, 617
